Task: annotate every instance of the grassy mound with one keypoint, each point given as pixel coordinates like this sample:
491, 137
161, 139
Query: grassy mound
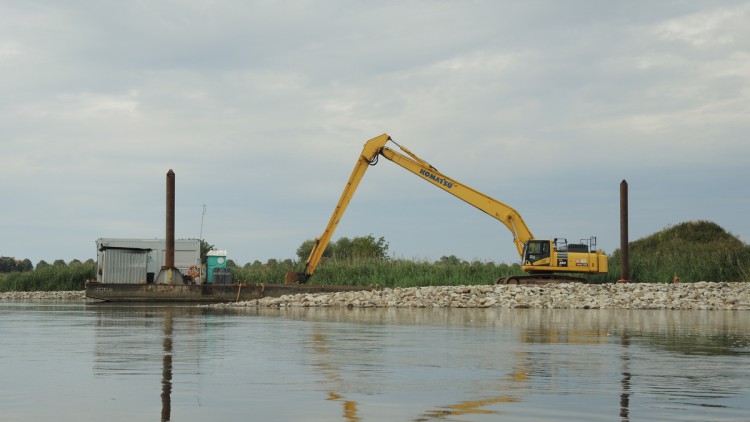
694, 251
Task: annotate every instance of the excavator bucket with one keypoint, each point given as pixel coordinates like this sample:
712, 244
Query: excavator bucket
293, 277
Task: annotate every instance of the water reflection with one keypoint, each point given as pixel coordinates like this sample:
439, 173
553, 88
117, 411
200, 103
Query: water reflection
488, 363
166, 373
126, 339
625, 382
326, 365
475, 407
688, 333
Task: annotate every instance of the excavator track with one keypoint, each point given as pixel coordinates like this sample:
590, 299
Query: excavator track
540, 279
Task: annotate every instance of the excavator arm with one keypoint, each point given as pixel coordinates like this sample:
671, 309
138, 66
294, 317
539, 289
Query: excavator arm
494, 208
408, 160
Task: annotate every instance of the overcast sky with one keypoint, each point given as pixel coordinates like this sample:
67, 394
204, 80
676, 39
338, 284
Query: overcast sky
261, 109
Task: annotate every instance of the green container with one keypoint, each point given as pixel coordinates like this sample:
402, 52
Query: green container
214, 259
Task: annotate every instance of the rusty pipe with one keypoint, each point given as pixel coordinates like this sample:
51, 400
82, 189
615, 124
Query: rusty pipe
624, 254
169, 258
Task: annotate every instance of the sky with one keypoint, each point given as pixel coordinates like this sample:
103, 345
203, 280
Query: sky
261, 109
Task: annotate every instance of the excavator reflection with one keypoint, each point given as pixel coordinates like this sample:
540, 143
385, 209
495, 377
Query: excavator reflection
516, 374
326, 366
337, 384
515, 381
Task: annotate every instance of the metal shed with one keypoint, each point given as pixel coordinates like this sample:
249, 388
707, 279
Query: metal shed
129, 261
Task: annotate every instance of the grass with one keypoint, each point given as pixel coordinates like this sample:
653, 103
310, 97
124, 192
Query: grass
49, 278
384, 273
694, 251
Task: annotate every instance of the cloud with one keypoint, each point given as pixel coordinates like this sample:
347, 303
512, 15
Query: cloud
708, 28
261, 111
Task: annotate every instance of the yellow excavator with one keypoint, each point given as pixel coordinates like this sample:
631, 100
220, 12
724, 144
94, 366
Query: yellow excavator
543, 260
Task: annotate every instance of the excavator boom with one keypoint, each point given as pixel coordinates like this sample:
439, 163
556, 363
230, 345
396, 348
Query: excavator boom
496, 209
369, 154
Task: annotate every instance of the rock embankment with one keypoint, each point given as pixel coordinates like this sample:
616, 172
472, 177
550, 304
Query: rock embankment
698, 296
43, 296
688, 296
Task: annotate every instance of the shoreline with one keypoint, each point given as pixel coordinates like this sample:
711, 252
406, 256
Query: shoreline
684, 296
57, 296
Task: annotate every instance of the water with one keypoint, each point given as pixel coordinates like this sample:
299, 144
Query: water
79, 362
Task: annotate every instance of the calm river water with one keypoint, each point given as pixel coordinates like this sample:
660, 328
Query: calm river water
95, 362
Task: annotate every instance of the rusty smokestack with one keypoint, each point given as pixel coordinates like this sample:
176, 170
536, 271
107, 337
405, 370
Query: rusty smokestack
169, 258
624, 254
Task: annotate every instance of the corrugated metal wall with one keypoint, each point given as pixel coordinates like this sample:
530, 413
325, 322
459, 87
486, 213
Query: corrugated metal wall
187, 254
124, 266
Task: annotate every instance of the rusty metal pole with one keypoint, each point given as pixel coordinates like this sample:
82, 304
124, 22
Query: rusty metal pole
169, 258
624, 256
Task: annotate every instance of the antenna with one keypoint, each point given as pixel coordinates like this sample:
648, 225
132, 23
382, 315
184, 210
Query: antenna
202, 216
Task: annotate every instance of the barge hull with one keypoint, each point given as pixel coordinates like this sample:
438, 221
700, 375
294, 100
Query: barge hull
117, 292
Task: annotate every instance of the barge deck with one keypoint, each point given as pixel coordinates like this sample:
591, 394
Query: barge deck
118, 292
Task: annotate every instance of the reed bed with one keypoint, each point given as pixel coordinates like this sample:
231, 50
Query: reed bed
690, 264
49, 278
384, 272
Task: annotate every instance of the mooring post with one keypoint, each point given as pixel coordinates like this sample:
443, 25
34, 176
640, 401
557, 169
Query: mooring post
624, 258
169, 258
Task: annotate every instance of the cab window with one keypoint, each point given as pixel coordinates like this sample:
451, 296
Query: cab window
536, 250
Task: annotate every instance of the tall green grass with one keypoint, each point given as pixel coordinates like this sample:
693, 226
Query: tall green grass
694, 251
689, 263
49, 278
384, 273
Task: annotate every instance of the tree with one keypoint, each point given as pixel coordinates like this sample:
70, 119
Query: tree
7, 264
344, 248
303, 252
25, 265
368, 247
254, 264
205, 247
449, 260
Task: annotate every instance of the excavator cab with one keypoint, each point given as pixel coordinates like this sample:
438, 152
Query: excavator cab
543, 258
535, 251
